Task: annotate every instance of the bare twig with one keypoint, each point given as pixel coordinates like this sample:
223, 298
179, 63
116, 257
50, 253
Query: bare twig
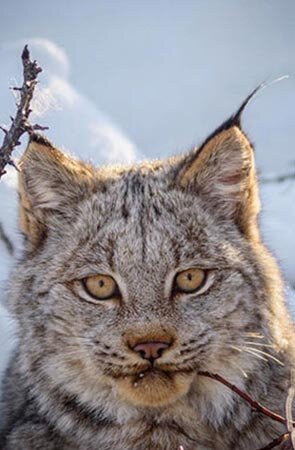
20, 123
278, 178
7, 242
283, 438
253, 403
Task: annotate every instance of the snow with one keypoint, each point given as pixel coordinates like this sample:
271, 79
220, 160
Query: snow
77, 124
278, 224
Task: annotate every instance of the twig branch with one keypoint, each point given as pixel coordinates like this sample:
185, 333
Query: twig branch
278, 178
20, 123
7, 242
253, 403
283, 438
290, 424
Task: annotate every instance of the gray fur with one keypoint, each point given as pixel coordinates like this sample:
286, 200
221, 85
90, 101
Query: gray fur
74, 382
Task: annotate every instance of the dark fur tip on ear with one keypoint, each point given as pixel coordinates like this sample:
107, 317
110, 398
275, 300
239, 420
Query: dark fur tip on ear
235, 119
40, 139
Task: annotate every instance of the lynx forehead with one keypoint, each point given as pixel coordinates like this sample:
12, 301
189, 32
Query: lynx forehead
133, 280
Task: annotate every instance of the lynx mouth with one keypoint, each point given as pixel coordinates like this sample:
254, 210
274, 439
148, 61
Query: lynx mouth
154, 387
152, 373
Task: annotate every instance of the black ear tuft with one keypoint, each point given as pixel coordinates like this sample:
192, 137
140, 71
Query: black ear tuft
40, 139
235, 119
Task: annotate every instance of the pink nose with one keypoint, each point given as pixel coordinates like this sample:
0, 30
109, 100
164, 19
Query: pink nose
151, 350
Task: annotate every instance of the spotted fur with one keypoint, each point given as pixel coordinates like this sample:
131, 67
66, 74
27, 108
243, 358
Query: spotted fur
75, 382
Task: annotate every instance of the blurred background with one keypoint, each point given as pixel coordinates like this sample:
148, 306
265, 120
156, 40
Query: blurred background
127, 80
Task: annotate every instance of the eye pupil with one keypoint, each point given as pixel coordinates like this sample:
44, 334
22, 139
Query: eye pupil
190, 280
101, 287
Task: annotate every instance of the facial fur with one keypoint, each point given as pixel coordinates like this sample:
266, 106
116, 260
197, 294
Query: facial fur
142, 225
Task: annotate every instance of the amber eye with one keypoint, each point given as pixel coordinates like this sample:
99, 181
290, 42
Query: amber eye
101, 287
190, 280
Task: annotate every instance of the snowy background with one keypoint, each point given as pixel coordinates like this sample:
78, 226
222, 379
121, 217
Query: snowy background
126, 80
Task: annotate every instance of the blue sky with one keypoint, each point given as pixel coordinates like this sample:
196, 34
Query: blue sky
168, 72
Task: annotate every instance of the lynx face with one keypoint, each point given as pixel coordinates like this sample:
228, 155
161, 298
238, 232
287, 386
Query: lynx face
136, 278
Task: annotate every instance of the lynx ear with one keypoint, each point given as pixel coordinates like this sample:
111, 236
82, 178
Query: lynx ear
222, 171
49, 182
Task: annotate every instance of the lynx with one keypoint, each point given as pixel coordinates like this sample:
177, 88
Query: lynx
133, 281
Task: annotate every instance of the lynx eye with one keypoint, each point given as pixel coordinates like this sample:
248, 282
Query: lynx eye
101, 287
190, 280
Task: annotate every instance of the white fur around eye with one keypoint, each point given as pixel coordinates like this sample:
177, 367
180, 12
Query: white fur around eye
190, 280
81, 292
208, 283
210, 277
101, 287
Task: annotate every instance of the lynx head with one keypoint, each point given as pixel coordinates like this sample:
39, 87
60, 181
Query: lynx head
135, 278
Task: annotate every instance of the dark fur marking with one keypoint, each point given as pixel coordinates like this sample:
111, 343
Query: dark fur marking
40, 139
233, 121
125, 212
111, 252
70, 404
142, 226
137, 191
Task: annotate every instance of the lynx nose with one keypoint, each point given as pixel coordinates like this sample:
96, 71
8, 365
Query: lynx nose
151, 350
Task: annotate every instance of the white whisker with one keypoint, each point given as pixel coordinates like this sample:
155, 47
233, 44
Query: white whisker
253, 335
258, 344
260, 352
240, 369
236, 348
255, 354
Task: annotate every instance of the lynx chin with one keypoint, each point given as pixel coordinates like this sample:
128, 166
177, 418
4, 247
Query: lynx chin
134, 279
